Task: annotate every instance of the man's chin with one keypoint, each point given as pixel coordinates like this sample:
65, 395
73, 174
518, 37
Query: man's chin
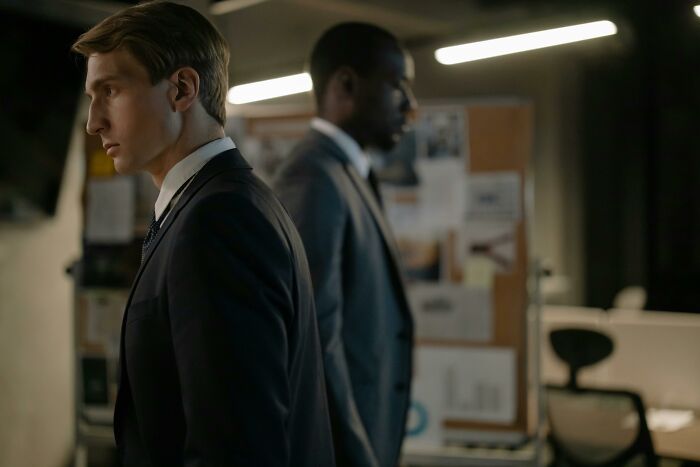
122, 168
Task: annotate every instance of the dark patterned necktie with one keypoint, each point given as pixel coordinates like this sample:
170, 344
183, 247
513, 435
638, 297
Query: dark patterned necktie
155, 223
151, 234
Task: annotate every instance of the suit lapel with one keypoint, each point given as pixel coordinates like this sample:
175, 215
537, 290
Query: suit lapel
228, 160
371, 201
372, 204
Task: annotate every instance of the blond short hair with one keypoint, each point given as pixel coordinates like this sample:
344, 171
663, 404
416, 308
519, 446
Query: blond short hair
163, 37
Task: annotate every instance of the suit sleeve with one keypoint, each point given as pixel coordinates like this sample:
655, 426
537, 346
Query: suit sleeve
230, 308
319, 213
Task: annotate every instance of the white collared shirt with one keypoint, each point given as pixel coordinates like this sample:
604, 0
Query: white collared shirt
185, 170
357, 157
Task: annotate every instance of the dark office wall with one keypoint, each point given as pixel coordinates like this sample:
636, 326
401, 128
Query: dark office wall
641, 160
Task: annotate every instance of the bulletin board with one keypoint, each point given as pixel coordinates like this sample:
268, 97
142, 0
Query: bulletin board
501, 140
455, 195
454, 192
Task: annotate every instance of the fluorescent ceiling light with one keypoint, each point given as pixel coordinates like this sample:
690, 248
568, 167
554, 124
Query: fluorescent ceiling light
268, 89
696, 9
523, 42
223, 7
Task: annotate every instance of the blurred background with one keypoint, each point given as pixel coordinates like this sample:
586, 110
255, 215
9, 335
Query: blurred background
600, 135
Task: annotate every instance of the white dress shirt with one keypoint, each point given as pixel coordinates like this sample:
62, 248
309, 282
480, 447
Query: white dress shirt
358, 158
185, 170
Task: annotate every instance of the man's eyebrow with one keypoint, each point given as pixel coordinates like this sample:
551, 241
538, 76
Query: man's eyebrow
99, 82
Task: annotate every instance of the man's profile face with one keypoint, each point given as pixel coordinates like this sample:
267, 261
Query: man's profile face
384, 106
133, 117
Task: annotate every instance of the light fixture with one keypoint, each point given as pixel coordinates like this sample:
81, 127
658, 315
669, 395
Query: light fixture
223, 7
696, 9
523, 42
270, 88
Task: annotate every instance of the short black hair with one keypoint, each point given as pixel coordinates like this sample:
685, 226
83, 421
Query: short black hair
353, 44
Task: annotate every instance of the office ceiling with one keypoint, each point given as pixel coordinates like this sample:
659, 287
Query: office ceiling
273, 37
269, 38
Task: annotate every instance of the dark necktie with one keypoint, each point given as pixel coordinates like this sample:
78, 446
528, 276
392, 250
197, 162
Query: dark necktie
155, 223
152, 232
374, 185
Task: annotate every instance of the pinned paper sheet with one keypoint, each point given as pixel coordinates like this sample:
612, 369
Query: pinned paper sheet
111, 208
478, 272
492, 240
441, 133
469, 384
494, 196
451, 312
443, 185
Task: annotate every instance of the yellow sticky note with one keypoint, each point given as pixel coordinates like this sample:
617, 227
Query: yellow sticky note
479, 271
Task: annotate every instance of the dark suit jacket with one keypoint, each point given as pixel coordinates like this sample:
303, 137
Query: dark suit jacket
364, 319
220, 358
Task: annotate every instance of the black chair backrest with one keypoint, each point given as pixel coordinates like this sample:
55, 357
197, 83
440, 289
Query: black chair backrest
598, 427
579, 348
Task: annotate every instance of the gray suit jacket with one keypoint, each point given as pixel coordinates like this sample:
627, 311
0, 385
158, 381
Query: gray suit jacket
364, 320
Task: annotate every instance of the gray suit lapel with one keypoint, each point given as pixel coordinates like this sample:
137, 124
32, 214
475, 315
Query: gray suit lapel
373, 206
329, 147
370, 200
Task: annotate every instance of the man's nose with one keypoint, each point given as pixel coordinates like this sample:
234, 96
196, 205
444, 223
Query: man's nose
409, 104
96, 123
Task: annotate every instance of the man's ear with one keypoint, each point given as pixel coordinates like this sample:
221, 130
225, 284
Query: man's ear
345, 83
185, 88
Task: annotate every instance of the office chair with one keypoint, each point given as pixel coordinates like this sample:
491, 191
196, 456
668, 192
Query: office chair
591, 427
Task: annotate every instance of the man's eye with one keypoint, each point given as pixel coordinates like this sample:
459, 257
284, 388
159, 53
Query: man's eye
108, 91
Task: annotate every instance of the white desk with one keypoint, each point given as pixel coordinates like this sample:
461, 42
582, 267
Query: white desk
683, 444
655, 354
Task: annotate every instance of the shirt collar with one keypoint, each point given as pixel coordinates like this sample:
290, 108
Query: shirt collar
186, 168
348, 145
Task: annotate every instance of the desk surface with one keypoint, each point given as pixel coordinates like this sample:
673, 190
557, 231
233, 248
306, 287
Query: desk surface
455, 456
682, 444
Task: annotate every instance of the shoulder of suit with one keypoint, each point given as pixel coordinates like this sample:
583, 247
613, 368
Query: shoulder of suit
313, 156
250, 206
236, 187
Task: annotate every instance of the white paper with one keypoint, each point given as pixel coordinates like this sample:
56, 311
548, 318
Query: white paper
111, 206
494, 196
479, 273
666, 420
442, 196
451, 312
440, 133
485, 246
462, 383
